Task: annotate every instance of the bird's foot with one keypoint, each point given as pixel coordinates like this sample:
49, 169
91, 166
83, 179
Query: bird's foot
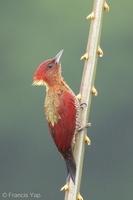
87, 140
83, 127
80, 197
79, 97
82, 105
65, 187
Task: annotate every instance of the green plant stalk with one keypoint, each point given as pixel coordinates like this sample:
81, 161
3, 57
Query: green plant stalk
86, 92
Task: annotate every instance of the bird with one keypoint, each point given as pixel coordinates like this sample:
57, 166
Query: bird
62, 111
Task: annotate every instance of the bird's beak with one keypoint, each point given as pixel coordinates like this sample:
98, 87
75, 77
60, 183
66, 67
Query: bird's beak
58, 56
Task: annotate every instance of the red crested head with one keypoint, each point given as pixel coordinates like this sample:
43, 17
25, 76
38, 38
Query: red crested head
48, 72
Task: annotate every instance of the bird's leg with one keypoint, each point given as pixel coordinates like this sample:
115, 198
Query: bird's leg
86, 139
83, 127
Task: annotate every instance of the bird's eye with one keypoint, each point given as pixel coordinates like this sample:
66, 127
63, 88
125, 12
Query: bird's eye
50, 65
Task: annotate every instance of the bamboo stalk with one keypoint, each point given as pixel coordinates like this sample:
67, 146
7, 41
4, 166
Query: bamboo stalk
87, 83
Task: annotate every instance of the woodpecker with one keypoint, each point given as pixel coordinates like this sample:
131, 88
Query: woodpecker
62, 111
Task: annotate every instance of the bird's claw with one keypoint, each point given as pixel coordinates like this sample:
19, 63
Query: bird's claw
65, 187
81, 105
83, 127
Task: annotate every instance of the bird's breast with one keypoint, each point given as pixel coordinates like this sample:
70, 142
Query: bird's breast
50, 109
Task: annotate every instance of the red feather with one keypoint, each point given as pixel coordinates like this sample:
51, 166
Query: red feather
63, 131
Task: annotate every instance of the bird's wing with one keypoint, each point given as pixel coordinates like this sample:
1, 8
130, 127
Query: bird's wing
63, 131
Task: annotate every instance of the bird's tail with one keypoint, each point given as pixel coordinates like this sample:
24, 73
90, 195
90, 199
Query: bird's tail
71, 166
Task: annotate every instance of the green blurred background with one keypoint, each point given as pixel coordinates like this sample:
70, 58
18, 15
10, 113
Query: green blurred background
31, 32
